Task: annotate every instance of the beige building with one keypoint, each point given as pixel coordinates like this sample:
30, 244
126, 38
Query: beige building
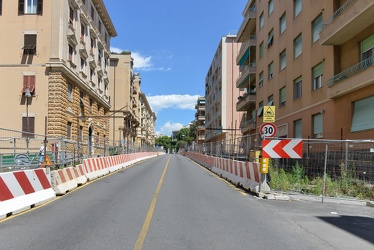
124, 95
200, 120
221, 117
146, 135
312, 60
54, 65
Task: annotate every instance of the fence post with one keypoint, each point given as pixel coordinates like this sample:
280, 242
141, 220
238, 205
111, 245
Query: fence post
324, 173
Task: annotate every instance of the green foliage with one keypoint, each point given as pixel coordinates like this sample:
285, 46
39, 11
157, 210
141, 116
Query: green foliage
164, 141
297, 180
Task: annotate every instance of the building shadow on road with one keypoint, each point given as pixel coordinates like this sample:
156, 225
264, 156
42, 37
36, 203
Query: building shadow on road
362, 227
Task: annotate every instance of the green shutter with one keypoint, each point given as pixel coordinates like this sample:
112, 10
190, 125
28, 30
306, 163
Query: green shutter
244, 58
318, 70
317, 124
283, 94
367, 44
363, 111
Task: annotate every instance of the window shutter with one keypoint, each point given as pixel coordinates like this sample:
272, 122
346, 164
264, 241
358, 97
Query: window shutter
40, 7
363, 114
21, 7
318, 70
317, 124
367, 44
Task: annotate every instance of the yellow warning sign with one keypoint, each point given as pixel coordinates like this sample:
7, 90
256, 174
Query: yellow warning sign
269, 114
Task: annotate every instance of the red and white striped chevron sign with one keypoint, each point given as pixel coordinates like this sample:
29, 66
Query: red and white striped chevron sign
282, 148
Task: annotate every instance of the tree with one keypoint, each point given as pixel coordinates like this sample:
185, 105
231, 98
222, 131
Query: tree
164, 141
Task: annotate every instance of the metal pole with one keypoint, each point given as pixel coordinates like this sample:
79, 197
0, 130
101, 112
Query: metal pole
324, 173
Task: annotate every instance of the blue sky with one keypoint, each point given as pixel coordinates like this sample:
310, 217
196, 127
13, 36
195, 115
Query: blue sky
173, 43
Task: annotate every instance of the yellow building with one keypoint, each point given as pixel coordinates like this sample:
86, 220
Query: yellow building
313, 61
54, 67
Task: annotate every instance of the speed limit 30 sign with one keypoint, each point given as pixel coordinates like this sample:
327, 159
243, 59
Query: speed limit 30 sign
268, 129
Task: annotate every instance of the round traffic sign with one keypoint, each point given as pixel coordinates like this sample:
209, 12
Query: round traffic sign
268, 129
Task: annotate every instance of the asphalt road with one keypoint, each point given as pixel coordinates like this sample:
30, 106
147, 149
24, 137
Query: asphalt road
169, 202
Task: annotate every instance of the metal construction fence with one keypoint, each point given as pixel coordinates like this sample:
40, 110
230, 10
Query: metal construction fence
22, 150
342, 167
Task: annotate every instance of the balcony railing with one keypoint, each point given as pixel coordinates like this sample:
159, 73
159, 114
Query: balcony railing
358, 68
337, 13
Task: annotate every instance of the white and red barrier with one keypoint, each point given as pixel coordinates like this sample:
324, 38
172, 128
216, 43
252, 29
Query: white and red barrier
22, 190
63, 180
246, 174
95, 167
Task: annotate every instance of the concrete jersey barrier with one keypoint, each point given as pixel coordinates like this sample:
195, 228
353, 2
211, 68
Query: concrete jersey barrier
22, 190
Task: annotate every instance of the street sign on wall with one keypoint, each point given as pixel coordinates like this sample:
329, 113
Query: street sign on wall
282, 148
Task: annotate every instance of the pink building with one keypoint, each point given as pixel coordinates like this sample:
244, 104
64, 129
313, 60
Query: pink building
221, 94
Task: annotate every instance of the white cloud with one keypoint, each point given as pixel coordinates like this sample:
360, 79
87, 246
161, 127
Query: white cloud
160, 102
169, 127
141, 62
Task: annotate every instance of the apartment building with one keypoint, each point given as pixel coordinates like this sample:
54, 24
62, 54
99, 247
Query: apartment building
124, 95
146, 135
200, 120
313, 62
221, 117
54, 66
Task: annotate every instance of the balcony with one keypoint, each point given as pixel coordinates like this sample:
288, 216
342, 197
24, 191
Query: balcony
248, 24
354, 78
245, 71
245, 46
245, 101
247, 125
349, 20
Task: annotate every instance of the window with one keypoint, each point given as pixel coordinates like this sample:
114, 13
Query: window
270, 38
92, 12
270, 100
70, 92
68, 128
83, 64
282, 60
261, 79
261, 49
71, 15
1, 7
30, 83
317, 23
106, 89
91, 74
83, 32
28, 126
317, 126
297, 88
91, 104
81, 101
30, 7
282, 23
367, 47
297, 46
297, 129
71, 53
29, 47
262, 20
260, 110
92, 46
363, 111
317, 73
270, 7
271, 71
297, 7
282, 96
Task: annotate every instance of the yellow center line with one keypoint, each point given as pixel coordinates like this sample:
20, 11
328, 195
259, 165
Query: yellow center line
143, 233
